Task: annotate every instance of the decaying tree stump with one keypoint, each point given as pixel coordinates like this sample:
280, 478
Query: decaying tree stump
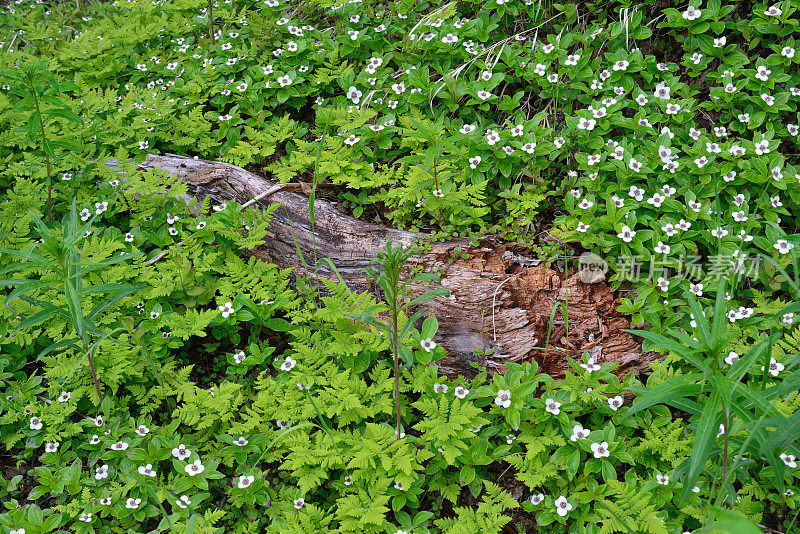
499, 300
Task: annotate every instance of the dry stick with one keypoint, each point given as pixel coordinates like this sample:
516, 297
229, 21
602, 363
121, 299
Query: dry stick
260, 196
494, 296
12, 42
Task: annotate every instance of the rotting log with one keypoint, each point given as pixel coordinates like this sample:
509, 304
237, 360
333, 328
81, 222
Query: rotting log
499, 300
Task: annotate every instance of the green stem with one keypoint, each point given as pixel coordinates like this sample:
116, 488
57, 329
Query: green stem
46, 158
94, 375
396, 367
725, 424
211, 20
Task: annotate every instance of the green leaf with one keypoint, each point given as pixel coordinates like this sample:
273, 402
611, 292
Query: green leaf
278, 325
704, 441
673, 389
37, 318
731, 522
410, 324
742, 365
703, 330
429, 327
720, 320
64, 113
74, 307
25, 288
786, 431
428, 295
190, 523
664, 343
406, 355
70, 342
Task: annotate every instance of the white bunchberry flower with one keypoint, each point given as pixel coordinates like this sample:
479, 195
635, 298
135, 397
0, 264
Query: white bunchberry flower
245, 481
662, 283
427, 345
783, 246
460, 392
662, 248
789, 460
626, 234
133, 503
101, 472
181, 452
226, 309
697, 289
775, 367
288, 364
731, 358
194, 468
147, 470
552, 406
440, 388
352, 140
691, 13
662, 479
503, 398
600, 450
590, 366
578, 432
562, 506
615, 403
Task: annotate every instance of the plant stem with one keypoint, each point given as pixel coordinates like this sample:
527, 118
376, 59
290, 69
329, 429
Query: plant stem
725, 448
94, 375
46, 158
211, 20
396, 366
436, 184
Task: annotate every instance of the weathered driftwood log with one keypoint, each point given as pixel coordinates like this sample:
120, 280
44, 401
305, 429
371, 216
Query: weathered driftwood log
498, 301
